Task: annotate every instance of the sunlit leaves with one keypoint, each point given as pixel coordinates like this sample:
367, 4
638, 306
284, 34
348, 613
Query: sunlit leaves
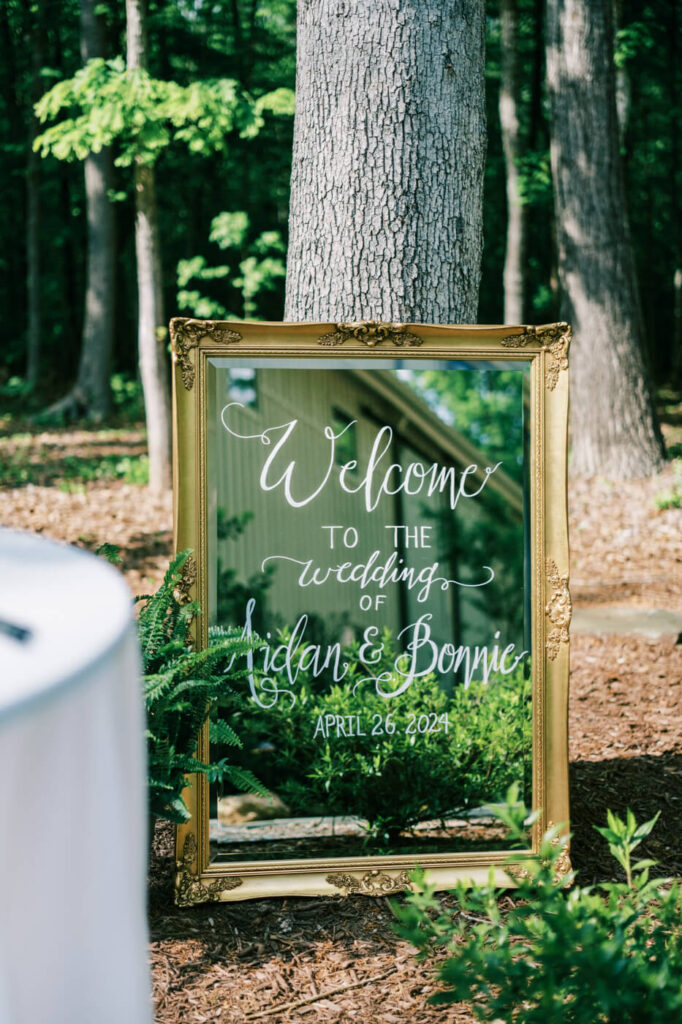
260, 268
104, 104
584, 955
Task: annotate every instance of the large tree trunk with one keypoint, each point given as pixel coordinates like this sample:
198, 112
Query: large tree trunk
151, 328
515, 251
614, 431
389, 150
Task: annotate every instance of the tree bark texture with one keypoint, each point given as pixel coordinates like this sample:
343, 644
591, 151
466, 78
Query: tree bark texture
91, 394
92, 391
514, 258
389, 152
33, 297
154, 369
33, 219
675, 112
622, 82
613, 426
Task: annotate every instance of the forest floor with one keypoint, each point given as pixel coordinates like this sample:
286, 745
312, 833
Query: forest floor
339, 958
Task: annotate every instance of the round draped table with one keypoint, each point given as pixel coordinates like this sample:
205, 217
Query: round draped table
73, 934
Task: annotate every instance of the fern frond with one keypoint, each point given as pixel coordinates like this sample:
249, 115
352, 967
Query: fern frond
221, 732
245, 780
181, 687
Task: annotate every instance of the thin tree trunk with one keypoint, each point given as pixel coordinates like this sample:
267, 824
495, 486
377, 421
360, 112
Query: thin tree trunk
92, 386
32, 226
623, 86
33, 332
673, 93
676, 366
151, 325
91, 394
614, 431
536, 115
98, 324
515, 252
389, 150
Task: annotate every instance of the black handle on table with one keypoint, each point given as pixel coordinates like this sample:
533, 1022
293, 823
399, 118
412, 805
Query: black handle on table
11, 629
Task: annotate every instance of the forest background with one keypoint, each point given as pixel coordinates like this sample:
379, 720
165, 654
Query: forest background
223, 184
220, 142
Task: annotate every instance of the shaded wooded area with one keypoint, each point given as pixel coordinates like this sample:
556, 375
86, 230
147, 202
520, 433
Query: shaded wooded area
244, 181
196, 106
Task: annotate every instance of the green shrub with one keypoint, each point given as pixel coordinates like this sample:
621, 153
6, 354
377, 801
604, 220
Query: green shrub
76, 470
17, 470
673, 497
181, 687
127, 397
480, 744
606, 954
16, 387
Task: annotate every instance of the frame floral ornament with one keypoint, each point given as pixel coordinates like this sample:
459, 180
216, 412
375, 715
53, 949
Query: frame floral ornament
545, 350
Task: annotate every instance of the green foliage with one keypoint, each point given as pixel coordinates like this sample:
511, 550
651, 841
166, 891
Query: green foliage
672, 498
536, 179
260, 269
31, 464
631, 41
182, 687
16, 387
16, 470
486, 406
395, 777
76, 471
253, 45
110, 552
127, 398
133, 469
607, 954
106, 104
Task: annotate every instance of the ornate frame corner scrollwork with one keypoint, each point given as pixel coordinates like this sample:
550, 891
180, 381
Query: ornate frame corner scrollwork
187, 580
558, 609
563, 869
543, 350
554, 339
181, 591
186, 336
189, 889
372, 883
370, 333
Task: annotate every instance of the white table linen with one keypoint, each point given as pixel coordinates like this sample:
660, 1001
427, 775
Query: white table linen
73, 933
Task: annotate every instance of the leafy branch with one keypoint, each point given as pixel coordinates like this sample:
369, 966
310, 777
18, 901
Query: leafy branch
105, 104
581, 955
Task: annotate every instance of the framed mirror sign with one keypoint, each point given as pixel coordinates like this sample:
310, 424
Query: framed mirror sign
379, 510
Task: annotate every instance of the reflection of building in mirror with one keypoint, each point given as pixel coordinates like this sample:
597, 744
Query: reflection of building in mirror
262, 543
370, 527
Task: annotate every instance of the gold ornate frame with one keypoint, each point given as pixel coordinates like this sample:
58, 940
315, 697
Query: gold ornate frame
545, 348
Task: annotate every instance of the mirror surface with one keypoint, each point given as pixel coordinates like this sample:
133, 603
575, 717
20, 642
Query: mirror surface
369, 521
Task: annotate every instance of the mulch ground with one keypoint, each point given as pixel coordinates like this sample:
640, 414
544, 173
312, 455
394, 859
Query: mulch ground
333, 959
